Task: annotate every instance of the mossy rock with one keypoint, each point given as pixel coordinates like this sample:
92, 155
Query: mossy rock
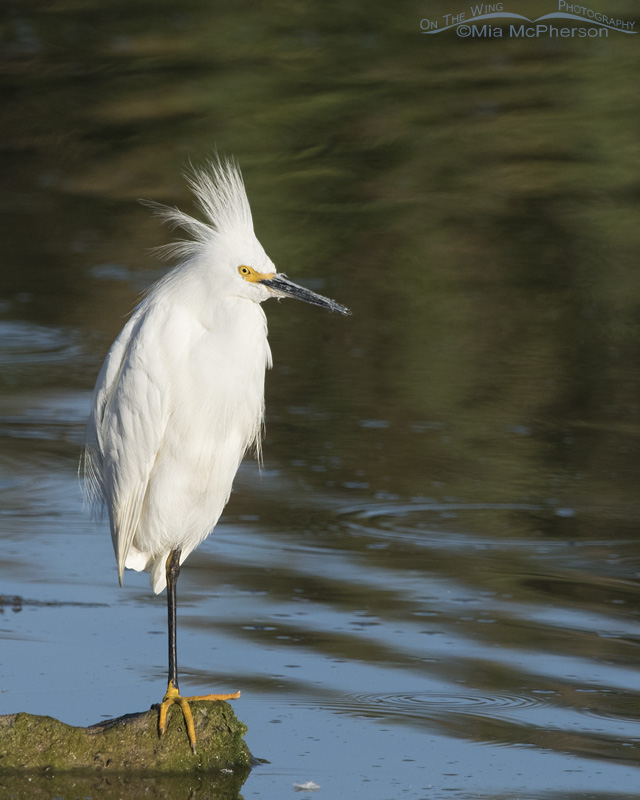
128, 744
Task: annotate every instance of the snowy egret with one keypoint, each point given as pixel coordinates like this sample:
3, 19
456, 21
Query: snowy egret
180, 397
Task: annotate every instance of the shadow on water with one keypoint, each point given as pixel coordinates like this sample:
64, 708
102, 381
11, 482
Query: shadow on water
116, 786
431, 587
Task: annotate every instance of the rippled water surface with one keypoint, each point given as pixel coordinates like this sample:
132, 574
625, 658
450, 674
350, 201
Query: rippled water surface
430, 589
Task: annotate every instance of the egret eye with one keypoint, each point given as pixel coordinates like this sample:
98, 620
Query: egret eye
250, 274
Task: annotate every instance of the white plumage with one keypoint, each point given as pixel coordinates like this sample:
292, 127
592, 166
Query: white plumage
180, 397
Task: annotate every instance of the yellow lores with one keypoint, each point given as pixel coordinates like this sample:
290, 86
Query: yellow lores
249, 274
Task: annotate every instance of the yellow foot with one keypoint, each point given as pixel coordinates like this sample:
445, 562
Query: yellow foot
173, 697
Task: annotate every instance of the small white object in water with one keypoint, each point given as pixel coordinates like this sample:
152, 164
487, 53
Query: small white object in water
309, 786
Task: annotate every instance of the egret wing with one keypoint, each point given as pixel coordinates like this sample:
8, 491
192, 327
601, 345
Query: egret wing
126, 429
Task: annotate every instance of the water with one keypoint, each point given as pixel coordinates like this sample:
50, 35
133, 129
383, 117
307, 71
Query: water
430, 589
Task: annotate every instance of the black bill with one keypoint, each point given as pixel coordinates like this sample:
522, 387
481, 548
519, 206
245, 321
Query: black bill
283, 287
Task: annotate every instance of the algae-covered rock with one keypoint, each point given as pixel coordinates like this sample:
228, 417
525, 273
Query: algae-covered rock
127, 744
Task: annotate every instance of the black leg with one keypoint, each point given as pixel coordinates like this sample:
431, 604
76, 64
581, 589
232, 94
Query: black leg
173, 570
172, 695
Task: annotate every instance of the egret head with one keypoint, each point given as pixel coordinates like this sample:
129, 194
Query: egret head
227, 240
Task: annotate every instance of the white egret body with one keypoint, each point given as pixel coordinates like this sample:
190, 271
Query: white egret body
180, 397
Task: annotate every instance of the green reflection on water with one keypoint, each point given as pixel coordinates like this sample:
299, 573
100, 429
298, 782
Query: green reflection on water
472, 201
